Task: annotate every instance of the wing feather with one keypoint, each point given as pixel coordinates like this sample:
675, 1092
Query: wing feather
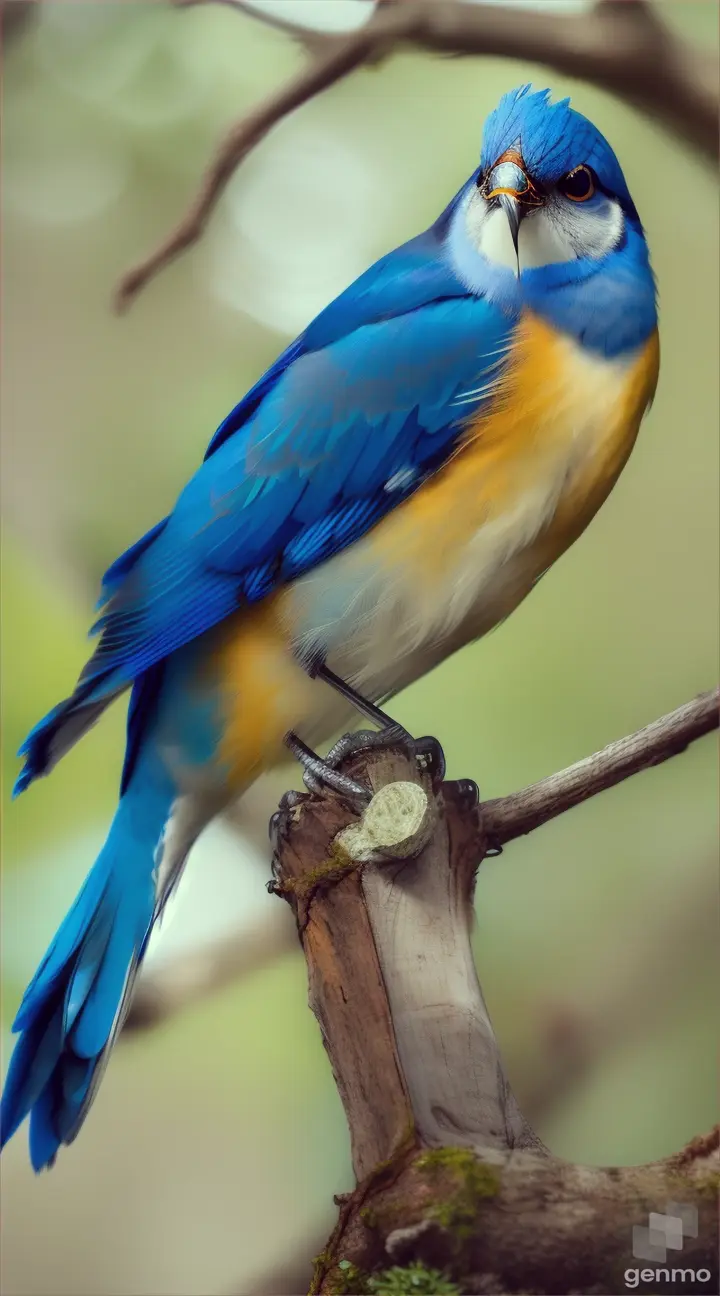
350, 421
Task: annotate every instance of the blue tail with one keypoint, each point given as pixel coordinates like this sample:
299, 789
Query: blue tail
76, 1002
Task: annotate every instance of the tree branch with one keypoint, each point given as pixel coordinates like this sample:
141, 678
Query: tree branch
449, 1173
513, 816
621, 45
169, 989
16, 16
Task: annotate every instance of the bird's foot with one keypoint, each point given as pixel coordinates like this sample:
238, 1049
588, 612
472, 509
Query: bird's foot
288, 802
465, 791
322, 772
430, 757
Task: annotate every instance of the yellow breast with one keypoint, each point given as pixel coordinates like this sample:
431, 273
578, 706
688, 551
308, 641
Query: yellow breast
532, 471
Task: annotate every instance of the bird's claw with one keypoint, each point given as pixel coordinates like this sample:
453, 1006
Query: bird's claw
427, 751
288, 801
278, 822
430, 757
352, 744
320, 773
466, 793
318, 781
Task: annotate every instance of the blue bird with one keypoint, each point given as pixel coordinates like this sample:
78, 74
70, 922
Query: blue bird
390, 490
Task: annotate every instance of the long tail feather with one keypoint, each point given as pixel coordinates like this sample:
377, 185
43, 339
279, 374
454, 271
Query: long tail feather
75, 1004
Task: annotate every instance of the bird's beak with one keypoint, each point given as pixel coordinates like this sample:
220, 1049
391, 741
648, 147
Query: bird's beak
511, 207
510, 186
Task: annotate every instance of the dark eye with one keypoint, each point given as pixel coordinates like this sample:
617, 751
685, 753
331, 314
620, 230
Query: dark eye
579, 184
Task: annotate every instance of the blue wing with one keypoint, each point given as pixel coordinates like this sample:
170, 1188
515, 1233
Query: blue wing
347, 423
344, 434
409, 277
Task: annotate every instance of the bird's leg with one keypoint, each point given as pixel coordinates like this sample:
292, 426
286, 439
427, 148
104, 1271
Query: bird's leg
318, 670
319, 771
427, 750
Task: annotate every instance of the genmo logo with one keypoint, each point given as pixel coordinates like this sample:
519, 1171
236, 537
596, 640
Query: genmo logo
665, 1233
635, 1276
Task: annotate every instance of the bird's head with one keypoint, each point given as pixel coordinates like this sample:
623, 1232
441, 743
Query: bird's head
549, 190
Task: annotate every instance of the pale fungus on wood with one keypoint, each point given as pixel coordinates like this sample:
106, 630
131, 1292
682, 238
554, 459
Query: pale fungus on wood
397, 824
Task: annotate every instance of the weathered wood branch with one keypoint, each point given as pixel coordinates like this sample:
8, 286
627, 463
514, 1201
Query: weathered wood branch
449, 1174
513, 816
621, 45
167, 990
381, 1004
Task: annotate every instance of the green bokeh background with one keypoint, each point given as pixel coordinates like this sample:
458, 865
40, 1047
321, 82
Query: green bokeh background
217, 1141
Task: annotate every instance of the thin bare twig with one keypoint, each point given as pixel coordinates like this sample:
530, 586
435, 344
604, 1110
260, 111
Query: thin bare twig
513, 816
623, 47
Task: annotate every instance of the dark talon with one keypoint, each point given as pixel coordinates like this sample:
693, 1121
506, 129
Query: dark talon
351, 744
319, 774
430, 757
466, 792
290, 799
313, 784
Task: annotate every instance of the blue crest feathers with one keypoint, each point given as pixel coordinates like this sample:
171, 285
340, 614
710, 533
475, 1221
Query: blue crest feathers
553, 138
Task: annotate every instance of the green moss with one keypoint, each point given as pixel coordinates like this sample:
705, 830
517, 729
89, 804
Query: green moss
333, 869
369, 1217
347, 1280
411, 1280
457, 1212
708, 1185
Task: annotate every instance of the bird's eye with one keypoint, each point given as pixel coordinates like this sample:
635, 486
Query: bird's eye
578, 184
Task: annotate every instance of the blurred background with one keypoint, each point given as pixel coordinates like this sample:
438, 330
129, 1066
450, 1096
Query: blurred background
210, 1158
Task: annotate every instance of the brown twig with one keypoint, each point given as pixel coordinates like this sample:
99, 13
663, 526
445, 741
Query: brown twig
513, 816
622, 47
16, 16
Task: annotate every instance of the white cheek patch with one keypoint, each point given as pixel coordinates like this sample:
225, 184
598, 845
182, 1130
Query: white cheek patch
594, 231
494, 240
557, 233
566, 231
542, 242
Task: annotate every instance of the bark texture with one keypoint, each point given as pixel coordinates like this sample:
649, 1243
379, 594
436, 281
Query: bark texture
453, 1187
